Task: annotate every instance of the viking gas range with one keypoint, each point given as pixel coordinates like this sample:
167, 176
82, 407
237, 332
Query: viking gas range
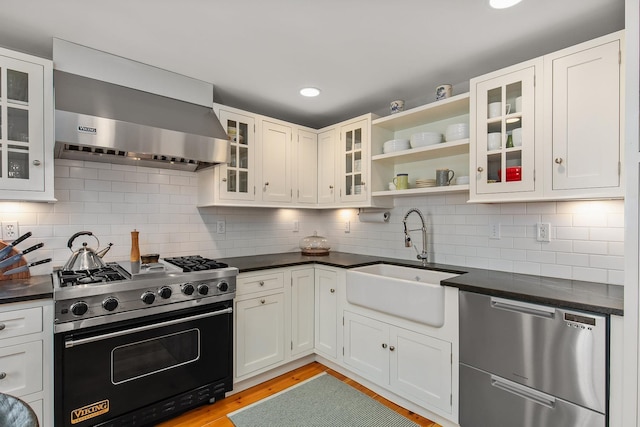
136, 344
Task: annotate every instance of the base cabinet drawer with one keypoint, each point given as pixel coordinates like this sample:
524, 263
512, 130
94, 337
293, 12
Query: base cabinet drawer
487, 400
21, 368
20, 322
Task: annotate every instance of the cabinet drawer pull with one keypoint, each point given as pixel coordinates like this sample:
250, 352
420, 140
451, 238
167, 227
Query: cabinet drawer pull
480, 169
392, 348
2, 326
332, 290
261, 282
3, 375
37, 163
384, 345
262, 301
331, 187
558, 160
266, 183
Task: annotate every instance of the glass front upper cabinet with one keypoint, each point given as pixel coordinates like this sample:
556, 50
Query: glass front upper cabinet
237, 175
21, 125
354, 137
505, 133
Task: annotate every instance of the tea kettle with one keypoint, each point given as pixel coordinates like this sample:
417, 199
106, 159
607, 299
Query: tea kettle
85, 258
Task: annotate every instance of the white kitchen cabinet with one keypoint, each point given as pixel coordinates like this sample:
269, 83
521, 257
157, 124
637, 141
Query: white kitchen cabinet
327, 187
306, 168
259, 322
276, 158
302, 307
412, 365
26, 127
583, 89
233, 181
26, 355
570, 123
354, 155
421, 162
326, 312
490, 160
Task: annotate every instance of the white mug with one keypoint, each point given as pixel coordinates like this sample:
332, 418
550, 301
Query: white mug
494, 141
517, 137
495, 109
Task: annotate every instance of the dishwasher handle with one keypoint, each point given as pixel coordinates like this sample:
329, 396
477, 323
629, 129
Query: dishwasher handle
523, 307
523, 392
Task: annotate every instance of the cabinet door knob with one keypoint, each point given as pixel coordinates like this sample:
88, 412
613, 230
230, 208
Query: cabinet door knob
331, 187
262, 301
384, 345
266, 183
3, 375
2, 326
224, 179
363, 183
480, 169
261, 282
558, 160
392, 348
333, 290
37, 163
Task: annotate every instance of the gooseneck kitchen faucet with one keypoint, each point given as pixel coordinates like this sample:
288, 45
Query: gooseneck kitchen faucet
422, 256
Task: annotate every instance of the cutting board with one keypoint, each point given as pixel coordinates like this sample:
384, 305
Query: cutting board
23, 275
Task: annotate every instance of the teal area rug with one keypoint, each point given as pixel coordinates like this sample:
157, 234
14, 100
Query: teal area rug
321, 401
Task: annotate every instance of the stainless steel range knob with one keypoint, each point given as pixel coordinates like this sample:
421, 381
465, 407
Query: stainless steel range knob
148, 297
223, 286
188, 289
203, 289
164, 292
110, 304
79, 308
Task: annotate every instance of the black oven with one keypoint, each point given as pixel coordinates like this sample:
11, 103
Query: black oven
138, 372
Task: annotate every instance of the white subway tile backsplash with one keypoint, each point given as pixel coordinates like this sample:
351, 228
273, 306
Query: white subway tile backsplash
112, 200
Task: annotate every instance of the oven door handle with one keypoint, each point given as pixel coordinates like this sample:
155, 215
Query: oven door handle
74, 343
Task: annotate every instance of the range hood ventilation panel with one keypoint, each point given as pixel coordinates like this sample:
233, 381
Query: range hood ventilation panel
102, 122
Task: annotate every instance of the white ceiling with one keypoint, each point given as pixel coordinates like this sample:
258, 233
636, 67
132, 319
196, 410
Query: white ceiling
362, 54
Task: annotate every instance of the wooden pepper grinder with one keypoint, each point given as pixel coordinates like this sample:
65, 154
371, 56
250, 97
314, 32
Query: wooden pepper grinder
135, 248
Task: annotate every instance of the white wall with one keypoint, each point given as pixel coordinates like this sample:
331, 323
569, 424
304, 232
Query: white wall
112, 200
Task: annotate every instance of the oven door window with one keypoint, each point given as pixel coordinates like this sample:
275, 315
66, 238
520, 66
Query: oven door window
142, 358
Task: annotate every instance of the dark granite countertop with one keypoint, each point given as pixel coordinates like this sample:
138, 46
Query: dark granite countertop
589, 296
33, 288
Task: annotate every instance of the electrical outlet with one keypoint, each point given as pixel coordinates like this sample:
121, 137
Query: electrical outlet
347, 226
544, 232
10, 230
296, 226
494, 231
221, 227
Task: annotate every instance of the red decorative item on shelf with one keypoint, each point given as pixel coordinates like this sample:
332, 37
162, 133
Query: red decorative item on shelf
514, 173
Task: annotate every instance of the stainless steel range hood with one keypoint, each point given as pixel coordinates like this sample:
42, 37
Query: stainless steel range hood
103, 122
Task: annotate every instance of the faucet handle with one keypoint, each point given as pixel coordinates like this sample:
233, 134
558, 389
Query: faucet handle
407, 241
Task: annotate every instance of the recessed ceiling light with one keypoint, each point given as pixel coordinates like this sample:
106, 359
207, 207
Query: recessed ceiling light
503, 4
309, 91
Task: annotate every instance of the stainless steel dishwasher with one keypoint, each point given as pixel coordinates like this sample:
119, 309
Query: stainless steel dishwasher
531, 365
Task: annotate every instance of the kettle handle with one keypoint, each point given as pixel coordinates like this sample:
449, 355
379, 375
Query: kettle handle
80, 233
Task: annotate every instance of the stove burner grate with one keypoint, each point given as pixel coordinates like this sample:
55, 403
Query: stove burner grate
85, 277
195, 263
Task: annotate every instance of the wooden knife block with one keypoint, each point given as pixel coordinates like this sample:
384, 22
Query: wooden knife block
23, 275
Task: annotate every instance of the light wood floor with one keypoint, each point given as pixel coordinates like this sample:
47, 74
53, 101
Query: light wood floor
215, 415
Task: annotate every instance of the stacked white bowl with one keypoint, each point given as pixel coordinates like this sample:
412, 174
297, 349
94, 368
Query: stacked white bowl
457, 131
423, 139
395, 145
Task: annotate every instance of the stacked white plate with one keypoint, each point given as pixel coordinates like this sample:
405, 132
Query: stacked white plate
423, 183
395, 145
423, 139
457, 131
